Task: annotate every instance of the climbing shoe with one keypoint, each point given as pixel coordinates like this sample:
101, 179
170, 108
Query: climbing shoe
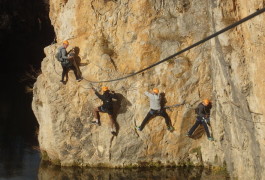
63, 82
210, 139
188, 135
95, 122
170, 128
113, 133
138, 128
78, 80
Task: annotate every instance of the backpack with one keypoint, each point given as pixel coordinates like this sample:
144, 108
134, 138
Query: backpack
58, 56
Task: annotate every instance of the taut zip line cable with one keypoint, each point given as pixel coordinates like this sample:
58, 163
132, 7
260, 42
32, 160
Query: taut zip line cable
258, 12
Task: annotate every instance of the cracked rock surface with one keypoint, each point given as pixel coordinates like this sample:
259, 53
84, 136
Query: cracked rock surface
116, 38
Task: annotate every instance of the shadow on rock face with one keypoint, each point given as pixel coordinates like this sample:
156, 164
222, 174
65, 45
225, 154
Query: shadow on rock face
120, 106
163, 99
198, 133
76, 51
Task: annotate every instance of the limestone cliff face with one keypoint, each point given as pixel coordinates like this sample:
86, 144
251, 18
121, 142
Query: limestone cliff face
116, 38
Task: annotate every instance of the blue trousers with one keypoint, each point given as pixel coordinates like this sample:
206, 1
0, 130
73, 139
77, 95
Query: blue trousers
199, 121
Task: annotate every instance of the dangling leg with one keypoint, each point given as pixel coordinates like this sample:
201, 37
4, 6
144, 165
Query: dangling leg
207, 130
76, 74
197, 123
112, 124
96, 116
64, 73
67, 70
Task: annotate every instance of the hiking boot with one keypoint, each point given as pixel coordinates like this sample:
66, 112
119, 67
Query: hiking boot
138, 128
210, 139
170, 128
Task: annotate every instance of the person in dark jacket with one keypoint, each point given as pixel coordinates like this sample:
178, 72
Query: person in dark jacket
203, 115
106, 107
155, 110
67, 62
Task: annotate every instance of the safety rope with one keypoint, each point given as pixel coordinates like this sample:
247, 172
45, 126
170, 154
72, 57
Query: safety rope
186, 49
258, 12
173, 106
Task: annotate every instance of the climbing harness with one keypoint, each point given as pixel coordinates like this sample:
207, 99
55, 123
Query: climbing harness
206, 120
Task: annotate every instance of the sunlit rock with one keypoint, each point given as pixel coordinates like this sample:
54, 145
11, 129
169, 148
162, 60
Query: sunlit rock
117, 38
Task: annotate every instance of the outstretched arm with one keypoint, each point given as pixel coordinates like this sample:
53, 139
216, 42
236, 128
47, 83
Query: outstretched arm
97, 93
148, 94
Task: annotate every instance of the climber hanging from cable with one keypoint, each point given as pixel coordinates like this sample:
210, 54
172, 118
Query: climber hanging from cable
203, 117
107, 107
155, 110
67, 63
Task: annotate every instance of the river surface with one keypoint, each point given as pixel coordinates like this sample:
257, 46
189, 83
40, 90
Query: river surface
21, 161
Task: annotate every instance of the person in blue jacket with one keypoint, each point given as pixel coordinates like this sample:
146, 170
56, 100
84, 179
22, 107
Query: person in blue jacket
67, 62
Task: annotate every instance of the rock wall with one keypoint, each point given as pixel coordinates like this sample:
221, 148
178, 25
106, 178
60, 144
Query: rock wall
116, 38
237, 84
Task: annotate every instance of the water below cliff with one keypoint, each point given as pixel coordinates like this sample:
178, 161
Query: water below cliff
19, 160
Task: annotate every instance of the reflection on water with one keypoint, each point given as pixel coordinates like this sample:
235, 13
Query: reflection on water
19, 161
47, 172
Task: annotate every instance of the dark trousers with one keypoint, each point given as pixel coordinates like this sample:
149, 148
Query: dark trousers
66, 70
199, 121
154, 113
